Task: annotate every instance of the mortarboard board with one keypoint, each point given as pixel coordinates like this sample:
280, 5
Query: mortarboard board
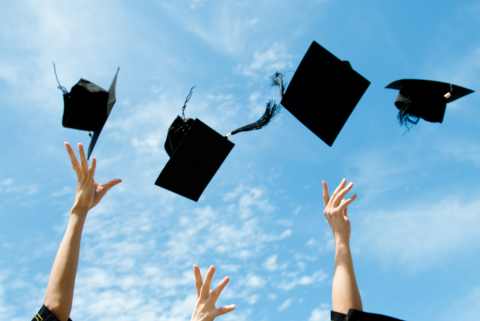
323, 92
355, 315
424, 99
197, 151
87, 107
195, 160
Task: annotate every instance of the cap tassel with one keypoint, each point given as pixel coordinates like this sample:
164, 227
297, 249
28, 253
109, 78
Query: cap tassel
405, 118
89, 133
63, 89
271, 111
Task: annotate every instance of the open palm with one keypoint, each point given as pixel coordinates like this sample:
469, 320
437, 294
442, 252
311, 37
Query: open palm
89, 192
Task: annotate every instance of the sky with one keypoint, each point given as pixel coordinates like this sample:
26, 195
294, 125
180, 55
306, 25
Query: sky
415, 223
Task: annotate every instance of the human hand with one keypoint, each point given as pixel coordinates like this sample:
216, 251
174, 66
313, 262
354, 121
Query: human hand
336, 210
205, 308
89, 192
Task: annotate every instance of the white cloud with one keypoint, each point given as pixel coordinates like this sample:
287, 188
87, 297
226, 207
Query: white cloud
292, 280
266, 63
252, 299
271, 263
319, 315
316, 277
285, 305
255, 281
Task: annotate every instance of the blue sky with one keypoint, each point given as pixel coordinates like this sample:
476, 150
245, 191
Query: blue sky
260, 221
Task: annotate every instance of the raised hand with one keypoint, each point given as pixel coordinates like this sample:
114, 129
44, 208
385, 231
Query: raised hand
89, 192
336, 210
205, 308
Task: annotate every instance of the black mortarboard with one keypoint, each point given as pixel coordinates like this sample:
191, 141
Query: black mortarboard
197, 151
424, 99
87, 107
323, 92
355, 315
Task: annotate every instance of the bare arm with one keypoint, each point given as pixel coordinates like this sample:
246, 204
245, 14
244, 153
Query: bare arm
59, 296
345, 293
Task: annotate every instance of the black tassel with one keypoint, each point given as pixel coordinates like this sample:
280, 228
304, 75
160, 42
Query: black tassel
405, 118
271, 111
63, 89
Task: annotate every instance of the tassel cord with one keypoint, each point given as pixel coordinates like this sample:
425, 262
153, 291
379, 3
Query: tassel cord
63, 89
186, 101
277, 80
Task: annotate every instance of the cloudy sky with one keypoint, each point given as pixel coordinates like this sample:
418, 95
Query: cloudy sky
415, 222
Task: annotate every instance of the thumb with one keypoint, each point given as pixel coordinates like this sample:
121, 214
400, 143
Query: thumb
108, 185
224, 310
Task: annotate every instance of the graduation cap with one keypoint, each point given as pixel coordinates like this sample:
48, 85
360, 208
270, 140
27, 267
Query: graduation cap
197, 151
355, 315
323, 92
87, 107
424, 99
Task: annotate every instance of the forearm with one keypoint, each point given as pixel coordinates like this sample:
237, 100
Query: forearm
345, 293
59, 296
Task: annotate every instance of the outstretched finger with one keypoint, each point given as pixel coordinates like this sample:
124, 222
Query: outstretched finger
343, 207
198, 279
218, 290
326, 198
76, 165
341, 194
337, 190
206, 283
83, 159
91, 171
225, 309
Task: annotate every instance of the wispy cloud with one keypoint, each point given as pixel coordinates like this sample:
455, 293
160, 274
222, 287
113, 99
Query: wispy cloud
285, 305
223, 25
9, 186
423, 233
464, 308
266, 63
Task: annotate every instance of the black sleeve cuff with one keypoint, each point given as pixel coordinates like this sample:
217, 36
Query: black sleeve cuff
355, 315
46, 315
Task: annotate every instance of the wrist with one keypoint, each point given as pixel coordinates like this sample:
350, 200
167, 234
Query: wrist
79, 211
342, 242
